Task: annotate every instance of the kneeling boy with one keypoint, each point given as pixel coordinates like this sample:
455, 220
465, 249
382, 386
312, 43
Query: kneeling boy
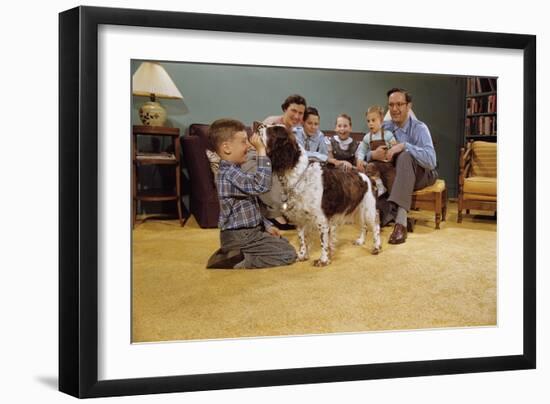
247, 239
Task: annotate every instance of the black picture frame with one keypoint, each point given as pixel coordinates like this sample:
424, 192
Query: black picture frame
78, 201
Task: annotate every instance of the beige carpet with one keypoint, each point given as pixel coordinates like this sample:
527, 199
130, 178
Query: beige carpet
438, 278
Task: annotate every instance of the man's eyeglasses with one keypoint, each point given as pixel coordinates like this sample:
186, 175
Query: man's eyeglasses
397, 104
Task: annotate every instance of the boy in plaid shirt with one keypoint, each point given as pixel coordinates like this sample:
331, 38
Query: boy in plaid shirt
247, 239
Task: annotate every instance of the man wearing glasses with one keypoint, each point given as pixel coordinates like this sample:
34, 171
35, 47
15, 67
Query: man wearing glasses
415, 161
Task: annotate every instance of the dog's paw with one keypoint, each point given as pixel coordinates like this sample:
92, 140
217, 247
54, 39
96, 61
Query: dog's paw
375, 250
302, 258
320, 263
359, 242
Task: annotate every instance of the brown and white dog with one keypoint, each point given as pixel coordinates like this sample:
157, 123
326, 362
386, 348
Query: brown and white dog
320, 198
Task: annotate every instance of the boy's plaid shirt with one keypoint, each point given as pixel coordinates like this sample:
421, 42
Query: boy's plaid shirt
237, 193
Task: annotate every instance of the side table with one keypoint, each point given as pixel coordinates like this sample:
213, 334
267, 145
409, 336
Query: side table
161, 158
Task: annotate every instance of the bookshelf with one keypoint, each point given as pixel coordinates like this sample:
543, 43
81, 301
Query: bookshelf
480, 121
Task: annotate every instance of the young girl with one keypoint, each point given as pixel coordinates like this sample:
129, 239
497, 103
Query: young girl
341, 147
311, 138
382, 171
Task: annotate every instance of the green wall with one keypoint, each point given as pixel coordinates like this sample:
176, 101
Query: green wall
251, 93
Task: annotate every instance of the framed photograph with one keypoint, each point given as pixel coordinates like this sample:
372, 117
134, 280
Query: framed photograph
139, 311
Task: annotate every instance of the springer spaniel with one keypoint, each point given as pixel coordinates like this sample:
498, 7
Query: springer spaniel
320, 197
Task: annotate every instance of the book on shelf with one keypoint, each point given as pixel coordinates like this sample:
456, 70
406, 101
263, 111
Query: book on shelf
481, 108
471, 86
482, 105
480, 85
487, 125
481, 125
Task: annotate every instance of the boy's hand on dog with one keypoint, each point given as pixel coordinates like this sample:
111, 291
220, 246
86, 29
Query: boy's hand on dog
274, 231
256, 142
361, 165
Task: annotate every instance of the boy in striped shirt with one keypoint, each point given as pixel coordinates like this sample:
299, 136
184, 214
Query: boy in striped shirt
247, 239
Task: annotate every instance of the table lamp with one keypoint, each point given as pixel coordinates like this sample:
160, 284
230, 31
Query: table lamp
151, 80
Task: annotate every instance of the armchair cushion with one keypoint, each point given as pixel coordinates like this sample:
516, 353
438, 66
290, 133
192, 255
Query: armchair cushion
481, 186
437, 186
479, 197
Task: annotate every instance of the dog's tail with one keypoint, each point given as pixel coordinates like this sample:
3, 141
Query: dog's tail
369, 214
370, 182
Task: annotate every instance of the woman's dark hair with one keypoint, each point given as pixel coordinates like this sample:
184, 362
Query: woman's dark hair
311, 111
293, 99
408, 96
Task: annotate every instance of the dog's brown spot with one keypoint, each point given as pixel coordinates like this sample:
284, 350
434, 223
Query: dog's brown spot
372, 170
342, 191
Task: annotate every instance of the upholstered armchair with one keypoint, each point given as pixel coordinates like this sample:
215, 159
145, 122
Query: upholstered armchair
204, 203
477, 179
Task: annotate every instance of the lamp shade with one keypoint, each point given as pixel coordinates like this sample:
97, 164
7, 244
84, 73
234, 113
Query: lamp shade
151, 80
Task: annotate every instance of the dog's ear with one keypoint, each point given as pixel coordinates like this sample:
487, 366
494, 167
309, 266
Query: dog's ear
282, 149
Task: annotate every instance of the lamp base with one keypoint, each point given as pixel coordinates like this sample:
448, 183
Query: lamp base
152, 113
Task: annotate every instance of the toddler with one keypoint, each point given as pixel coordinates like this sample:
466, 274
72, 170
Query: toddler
383, 172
